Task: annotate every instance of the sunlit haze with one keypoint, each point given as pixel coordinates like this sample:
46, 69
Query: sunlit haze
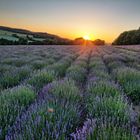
104, 19
86, 37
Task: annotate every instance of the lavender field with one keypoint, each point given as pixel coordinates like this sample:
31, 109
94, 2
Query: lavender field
55, 92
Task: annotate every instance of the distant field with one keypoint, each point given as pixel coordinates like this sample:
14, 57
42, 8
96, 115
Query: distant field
9, 36
69, 92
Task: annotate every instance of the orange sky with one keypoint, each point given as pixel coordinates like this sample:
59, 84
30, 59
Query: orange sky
104, 19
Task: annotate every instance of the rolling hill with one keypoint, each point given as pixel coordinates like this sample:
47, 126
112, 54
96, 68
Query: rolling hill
21, 36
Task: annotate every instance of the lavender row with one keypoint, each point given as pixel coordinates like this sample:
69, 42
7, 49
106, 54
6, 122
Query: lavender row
12, 103
58, 110
15, 70
129, 58
78, 70
37, 81
14, 76
50, 73
134, 48
127, 77
107, 107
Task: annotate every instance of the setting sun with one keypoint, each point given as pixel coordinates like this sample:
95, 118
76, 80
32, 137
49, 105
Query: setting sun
86, 37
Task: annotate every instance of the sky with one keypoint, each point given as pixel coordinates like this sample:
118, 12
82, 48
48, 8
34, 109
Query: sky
104, 19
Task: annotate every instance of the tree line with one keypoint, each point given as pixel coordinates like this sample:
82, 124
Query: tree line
128, 38
30, 41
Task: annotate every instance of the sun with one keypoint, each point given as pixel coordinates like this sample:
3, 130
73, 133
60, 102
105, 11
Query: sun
86, 37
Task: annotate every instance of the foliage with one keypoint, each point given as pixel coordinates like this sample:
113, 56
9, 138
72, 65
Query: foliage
130, 80
13, 78
111, 133
12, 102
98, 42
128, 38
66, 89
81, 92
14, 36
41, 78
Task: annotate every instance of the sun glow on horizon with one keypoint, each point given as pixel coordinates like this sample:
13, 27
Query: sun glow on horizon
87, 37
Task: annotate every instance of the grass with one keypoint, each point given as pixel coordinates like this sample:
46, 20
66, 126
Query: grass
8, 35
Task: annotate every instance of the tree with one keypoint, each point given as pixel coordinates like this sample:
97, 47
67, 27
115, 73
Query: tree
98, 42
6, 42
79, 41
128, 38
23, 41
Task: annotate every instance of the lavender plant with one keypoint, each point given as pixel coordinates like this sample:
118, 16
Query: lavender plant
49, 118
76, 73
130, 80
41, 78
12, 103
102, 88
13, 78
111, 133
65, 89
